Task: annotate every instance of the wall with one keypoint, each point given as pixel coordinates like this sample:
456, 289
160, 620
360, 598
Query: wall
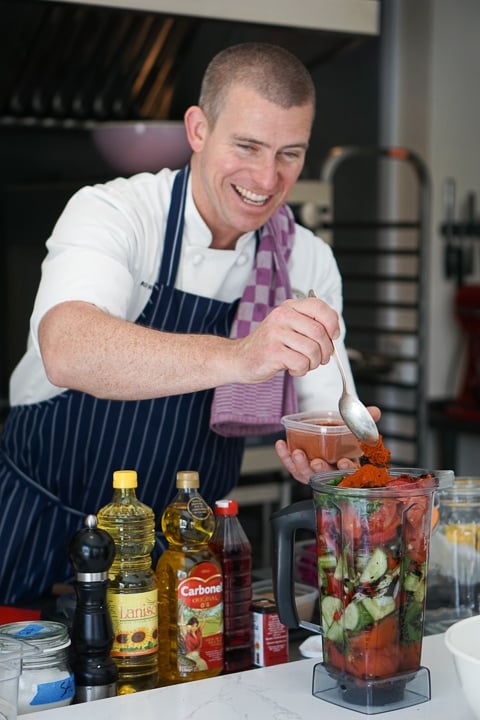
430, 103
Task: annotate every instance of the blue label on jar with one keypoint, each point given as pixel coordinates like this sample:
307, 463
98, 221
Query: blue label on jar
54, 692
30, 630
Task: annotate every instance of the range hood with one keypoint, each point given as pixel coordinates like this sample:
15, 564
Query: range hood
74, 62
351, 16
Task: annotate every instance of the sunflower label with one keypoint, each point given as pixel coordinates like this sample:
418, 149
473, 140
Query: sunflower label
135, 619
200, 619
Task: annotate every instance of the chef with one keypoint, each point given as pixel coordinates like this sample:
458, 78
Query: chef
171, 321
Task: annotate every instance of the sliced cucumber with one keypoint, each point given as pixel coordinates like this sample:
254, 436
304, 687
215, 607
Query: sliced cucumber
327, 561
331, 612
411, 581
351, 616
331, 606
380, 607
339, 573
419, 594
376, 566
335, 632
414, 582
356, 616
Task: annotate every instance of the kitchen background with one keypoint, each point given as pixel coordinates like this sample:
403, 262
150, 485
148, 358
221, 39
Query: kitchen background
391, 73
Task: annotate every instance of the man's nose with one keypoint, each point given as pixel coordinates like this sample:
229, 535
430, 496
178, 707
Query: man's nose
266, 173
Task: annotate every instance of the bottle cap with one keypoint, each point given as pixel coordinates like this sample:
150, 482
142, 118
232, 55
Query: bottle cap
188, 479
226, 507
125, 479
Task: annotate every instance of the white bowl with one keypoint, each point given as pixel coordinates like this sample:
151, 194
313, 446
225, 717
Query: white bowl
463, 641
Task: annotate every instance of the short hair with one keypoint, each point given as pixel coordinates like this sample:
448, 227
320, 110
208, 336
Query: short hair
270, 70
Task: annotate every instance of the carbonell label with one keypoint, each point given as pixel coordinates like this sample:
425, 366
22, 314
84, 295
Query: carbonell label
200, 619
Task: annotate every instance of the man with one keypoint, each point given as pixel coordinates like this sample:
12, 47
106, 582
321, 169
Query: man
131, 324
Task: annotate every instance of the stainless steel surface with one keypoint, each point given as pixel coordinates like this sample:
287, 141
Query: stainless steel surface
353, 411
355, 16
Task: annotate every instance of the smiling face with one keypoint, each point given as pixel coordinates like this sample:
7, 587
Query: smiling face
245, 165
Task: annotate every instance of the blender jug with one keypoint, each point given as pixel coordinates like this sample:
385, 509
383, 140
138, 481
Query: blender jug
372, 552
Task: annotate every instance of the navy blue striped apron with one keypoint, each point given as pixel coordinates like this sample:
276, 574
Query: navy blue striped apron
57, 457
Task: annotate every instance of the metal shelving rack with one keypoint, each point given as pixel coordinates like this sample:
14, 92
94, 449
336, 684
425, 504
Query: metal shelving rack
383, 261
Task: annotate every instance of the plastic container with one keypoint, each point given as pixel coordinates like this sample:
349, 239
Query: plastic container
46, 680
321, 434
132, 591
234, 551
190, 589
305, 597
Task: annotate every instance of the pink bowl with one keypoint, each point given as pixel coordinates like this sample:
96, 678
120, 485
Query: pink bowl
134, 147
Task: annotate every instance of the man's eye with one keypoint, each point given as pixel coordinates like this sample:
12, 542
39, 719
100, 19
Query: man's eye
292, 154
246, 147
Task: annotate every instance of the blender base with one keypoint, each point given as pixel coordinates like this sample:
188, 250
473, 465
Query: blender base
371, 696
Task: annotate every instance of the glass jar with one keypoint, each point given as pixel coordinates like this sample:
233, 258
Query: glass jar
46, 680
454, 572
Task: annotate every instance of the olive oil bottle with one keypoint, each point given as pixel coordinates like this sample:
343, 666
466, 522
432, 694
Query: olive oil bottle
190, 589
132, 588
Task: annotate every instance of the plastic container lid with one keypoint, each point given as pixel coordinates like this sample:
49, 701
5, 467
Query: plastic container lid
323, 422
226, 507
125, 479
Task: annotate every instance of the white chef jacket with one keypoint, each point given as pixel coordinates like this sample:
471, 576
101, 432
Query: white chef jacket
106, 248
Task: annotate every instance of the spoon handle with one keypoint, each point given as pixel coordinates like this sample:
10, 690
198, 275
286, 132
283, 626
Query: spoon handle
312, 293
340, 365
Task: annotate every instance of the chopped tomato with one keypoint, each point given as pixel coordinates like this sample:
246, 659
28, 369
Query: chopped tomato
333, 656
373, 662
381, 634
351, 523
383, 522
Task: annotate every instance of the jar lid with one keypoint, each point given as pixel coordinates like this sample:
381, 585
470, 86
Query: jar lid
465, 492
45, 636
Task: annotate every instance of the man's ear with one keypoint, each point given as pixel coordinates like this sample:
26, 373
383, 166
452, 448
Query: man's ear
196, 127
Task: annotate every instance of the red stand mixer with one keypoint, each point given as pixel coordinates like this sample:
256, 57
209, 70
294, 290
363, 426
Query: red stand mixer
467, 305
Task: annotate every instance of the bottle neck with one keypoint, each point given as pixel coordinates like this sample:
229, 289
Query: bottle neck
136, 563
121, 493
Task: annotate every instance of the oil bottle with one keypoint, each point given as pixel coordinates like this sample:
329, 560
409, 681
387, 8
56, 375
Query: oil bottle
132, 589
190, 589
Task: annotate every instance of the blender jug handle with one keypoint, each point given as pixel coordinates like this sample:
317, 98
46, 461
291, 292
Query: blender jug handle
284, 523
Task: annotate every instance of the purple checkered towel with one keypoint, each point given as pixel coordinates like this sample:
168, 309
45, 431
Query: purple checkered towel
241, 410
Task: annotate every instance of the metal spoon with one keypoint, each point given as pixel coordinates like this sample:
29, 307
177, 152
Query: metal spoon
353, 411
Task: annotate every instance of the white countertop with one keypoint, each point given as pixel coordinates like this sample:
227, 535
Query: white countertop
279, 692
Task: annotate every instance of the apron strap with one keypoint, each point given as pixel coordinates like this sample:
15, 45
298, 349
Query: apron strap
174, 229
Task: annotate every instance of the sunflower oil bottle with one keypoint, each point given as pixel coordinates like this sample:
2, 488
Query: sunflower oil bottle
190, 589
132, 590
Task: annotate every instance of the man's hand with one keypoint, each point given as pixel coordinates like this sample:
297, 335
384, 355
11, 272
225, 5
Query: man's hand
295, 337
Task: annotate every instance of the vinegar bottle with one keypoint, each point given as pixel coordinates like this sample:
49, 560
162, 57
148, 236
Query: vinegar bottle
190, 589
233, 548
132, 589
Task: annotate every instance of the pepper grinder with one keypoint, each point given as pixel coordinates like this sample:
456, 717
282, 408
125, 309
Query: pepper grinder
91, 553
